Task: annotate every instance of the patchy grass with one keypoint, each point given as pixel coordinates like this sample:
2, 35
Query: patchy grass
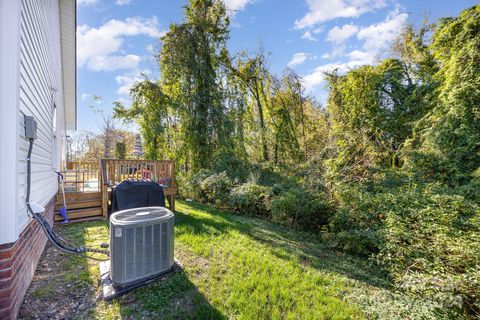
46, 291
235, 267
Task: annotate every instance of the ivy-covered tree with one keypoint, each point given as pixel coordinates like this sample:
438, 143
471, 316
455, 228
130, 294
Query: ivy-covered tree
376, 110
149, 108
190, 64
253, 74
447, 143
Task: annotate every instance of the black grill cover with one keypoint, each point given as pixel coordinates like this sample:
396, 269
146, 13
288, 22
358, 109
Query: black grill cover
132, 194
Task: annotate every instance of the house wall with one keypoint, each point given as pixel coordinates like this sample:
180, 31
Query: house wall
18, 261
41, 86
9, 106
30, 84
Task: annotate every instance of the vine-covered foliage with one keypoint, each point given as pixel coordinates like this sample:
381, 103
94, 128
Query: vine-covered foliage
405, 160
389, 169
447, 142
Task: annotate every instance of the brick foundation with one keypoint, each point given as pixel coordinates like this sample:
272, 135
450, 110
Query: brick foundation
18, 261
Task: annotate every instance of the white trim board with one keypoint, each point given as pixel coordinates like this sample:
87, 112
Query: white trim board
9, 113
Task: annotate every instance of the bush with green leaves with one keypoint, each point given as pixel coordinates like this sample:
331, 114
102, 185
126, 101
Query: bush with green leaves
471, 190
427, 238
300, 209
210, 187
431, 245
251, 199
354, 226
189, 185
216, 187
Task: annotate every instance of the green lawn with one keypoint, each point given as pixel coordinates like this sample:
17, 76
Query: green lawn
235, 267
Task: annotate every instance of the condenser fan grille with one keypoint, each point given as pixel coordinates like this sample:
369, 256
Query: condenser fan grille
141, 215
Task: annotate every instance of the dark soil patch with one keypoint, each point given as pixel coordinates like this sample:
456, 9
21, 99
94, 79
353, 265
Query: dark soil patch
50, 297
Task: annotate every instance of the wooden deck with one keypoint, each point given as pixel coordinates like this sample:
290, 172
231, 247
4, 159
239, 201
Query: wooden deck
82, 190
89, 184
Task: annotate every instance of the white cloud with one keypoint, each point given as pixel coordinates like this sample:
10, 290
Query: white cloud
379, 35
123, 101
98, 48
86, 2
150, 48
317, 77
376, 38
337, 51
112, 62
308, 35
320, 11
360, 55
127, 80
237, 5
85, 96
340, 35
298, 58
123, 2
91, 98
357, 58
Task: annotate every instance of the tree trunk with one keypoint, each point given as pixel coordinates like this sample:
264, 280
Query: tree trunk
262, 124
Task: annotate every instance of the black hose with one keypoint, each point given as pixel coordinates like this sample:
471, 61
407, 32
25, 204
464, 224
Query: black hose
51, 235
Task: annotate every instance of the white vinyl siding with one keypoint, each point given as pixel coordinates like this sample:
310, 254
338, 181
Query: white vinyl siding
41, 85
9, 87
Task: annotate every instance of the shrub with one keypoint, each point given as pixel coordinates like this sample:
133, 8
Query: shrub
206, 186
190, 185
357, 220
299, 208
235, 167
287, 208
428, 239
471, 191
216, 187
432, 247
251, 199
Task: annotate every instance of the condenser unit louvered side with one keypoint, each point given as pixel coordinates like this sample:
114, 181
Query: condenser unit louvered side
141, 244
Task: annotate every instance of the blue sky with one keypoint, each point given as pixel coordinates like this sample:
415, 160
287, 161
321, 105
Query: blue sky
116, 38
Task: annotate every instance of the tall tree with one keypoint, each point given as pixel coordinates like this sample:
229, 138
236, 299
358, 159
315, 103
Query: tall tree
149, 108
190, 63
287, 115
252, 71
448, 137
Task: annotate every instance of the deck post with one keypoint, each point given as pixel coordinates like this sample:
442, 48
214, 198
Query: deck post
171, 202
105, 201
104, 188
172, 176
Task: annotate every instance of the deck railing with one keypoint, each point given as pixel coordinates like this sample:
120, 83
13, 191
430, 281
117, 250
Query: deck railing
82, 176
114, 171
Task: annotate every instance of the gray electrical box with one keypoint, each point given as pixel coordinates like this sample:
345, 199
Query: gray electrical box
30, 127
